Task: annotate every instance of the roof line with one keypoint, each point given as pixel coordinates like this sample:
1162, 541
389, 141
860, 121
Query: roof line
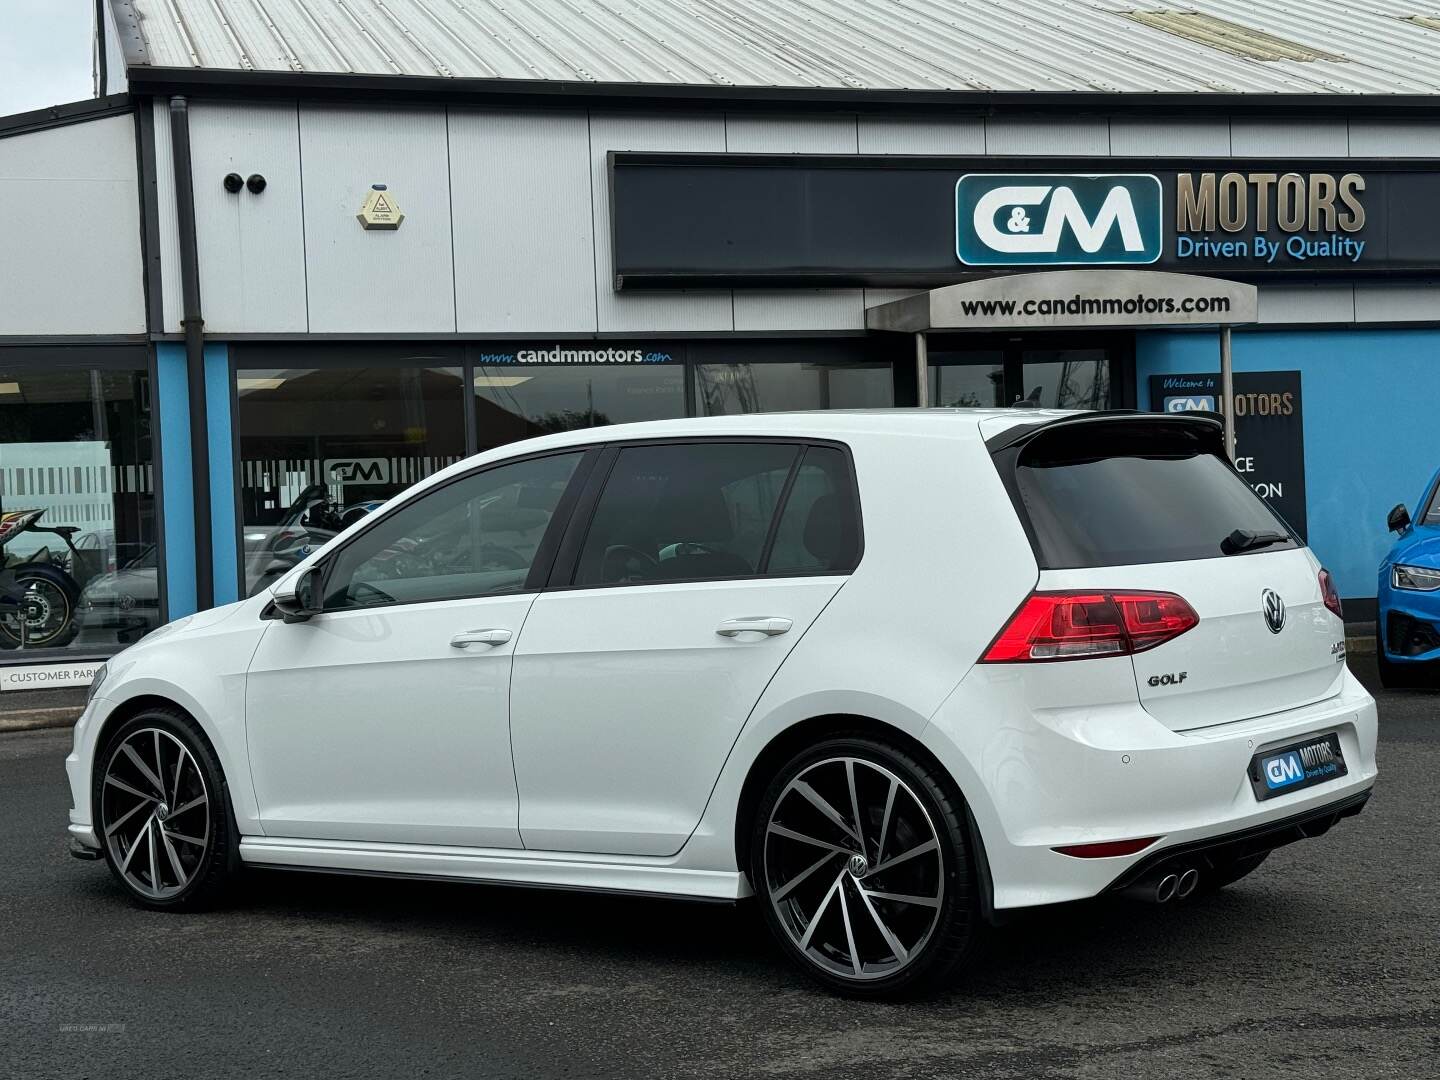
127, 27
75, 112
231, 82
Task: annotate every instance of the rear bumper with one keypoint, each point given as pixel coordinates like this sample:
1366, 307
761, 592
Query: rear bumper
1040, 776
1258, 839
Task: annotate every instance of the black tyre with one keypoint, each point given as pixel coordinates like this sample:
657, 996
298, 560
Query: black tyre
46, 615
861, 862
163, 812
1227, 873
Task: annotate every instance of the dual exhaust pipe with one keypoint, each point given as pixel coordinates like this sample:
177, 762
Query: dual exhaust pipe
1162, 886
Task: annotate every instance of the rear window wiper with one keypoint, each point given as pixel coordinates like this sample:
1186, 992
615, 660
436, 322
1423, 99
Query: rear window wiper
1246, 540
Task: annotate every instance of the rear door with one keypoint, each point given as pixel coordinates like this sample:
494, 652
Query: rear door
1151, 504
700, 567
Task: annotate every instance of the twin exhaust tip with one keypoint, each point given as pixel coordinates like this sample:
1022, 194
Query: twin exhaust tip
1161, 888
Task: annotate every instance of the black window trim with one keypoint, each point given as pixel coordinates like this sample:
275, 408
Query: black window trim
545, 553
567, 564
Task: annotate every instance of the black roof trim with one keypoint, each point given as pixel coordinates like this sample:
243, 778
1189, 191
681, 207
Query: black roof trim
127, 25
75, 112
1022, 433
531, 92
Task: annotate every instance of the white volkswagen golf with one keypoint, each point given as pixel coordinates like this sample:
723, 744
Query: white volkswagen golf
895, 673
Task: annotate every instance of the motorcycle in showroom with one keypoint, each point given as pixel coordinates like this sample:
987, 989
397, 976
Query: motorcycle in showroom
38, 591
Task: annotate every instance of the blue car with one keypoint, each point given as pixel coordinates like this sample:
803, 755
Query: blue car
1408, 628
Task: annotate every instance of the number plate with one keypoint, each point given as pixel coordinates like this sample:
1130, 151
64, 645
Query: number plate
1297, 766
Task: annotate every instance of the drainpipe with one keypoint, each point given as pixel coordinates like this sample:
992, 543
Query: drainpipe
1227, 391
194, 327
102, 61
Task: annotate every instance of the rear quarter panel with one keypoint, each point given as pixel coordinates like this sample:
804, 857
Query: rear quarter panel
945, 564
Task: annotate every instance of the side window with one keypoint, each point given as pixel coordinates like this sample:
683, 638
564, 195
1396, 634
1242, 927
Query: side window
683, 512
818, 531
473, 537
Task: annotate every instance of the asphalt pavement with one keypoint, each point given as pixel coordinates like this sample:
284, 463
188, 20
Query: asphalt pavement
1325, 962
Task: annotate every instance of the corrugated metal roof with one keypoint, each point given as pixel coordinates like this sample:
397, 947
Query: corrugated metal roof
1382, 46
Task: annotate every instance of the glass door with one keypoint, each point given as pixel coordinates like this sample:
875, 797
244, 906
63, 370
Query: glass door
1053, 370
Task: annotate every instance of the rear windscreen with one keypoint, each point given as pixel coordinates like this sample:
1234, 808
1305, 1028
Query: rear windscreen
1113, 499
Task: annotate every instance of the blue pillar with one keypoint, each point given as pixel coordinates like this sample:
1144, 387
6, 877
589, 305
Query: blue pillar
177, 548
177, 492
223, 527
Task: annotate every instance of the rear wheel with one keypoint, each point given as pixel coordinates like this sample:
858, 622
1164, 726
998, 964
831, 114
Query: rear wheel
45, 615
859, 856
163, 812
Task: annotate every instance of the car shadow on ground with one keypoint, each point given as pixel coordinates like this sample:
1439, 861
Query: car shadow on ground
1069, 947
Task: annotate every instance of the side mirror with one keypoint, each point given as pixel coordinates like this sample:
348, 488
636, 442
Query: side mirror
299, 599
1398, 520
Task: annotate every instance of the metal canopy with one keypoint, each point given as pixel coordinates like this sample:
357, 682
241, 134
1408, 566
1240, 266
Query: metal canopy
1076, 299
1060, 299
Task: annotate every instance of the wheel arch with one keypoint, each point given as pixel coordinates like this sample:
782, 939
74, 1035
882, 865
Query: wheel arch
785, 744
134, 706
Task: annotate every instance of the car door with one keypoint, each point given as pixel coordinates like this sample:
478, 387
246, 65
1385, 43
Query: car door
686, 579
384, 717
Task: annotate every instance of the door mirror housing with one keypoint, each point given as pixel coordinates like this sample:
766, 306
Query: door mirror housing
299, 598
1398, 520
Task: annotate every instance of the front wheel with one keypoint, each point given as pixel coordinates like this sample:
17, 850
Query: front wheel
163, 812
860, 859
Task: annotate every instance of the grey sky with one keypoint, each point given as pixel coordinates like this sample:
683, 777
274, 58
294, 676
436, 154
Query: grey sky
44, 53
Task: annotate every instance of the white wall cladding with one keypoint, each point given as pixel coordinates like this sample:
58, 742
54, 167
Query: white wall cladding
371, 280
524, 229
71, 256
528, 250
252, 270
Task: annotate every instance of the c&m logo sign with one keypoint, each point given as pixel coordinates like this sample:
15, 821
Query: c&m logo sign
1031, 219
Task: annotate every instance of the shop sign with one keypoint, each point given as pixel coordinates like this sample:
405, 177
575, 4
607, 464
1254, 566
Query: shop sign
577, 352
1269, 430
796, 219
1048, 220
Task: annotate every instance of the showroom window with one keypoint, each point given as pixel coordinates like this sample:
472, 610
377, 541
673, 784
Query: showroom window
77, 503
522, 401
323, 445
724, 389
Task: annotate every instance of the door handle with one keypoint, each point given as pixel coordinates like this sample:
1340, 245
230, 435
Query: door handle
769, 625
479, 637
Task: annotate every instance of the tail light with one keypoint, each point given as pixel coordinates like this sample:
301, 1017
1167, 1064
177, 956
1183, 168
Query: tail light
1076, 625
1330, 594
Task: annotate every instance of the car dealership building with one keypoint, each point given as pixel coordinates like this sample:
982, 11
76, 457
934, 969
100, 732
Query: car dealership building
300, 254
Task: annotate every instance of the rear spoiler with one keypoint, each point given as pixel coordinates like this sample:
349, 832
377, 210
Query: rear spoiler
1207, 428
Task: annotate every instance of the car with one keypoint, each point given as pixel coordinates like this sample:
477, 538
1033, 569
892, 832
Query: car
1407, 624
123, 604
894, 673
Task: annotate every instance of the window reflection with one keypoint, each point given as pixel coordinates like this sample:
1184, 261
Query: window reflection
1068, 378
730, 388
519, 402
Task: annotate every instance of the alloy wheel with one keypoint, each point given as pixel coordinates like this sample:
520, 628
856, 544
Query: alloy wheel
854, 868
155, 813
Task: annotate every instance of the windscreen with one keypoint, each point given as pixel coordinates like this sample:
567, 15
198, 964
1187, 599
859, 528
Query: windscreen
1138, 494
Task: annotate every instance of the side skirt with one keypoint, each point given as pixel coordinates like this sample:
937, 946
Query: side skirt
543, 869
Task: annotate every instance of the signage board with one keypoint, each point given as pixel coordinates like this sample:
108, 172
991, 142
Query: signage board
1269, 430
1059, 299
48, 676
690, 220
1034, 219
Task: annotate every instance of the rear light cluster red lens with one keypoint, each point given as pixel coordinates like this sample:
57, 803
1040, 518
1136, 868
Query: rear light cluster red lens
1076, 625
1330, 593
